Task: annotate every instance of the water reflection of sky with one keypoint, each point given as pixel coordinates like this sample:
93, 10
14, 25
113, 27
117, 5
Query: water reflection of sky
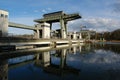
93, 64
98, 57
99, 60
20, 59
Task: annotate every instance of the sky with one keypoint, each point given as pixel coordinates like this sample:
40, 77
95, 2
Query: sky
98, 15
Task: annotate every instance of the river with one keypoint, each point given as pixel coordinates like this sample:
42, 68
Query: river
99, 61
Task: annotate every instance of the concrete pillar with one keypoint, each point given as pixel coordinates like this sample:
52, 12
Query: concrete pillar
63, 31
66, 28
3, 23
3, 70
45, 30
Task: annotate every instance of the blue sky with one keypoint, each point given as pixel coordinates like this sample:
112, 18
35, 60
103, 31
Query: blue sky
99, 15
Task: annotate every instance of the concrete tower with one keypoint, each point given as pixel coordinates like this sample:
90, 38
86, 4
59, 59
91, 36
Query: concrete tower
3, 23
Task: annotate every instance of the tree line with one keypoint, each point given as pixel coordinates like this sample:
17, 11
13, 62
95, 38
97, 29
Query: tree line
114, 35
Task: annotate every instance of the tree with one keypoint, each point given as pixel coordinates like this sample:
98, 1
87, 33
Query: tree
107, 35
115, 35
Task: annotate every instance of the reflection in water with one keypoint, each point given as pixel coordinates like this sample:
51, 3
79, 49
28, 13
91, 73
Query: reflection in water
44, 60
78, 62
109, 47
72, 50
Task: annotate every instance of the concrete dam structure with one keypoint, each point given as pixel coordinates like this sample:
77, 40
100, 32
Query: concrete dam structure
43, 33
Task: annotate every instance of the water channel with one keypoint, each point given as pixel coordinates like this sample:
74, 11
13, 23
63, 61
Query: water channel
100, 61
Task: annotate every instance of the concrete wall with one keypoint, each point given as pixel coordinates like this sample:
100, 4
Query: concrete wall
45, 28
4, 22
72, 35
46, 32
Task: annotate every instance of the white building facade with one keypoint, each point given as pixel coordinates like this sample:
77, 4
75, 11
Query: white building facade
3, 23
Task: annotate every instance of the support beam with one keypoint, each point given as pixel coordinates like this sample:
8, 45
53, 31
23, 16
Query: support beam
22, 26
50, 29
65, 23
63, 32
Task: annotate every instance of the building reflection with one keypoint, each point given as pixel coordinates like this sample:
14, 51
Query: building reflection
3, 69
44, 60
72, 50
86, 48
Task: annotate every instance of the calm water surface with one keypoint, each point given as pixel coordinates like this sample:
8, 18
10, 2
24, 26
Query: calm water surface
78, 62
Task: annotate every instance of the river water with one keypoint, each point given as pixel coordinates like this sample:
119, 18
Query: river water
99, 61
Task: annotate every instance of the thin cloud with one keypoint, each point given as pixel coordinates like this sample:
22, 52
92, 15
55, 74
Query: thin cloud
44, 11
49, 9
97, 24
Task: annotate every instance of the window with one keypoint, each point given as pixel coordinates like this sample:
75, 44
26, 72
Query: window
2, 15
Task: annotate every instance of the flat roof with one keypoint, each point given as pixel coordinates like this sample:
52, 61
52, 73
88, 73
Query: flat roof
56, 16
4, 12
